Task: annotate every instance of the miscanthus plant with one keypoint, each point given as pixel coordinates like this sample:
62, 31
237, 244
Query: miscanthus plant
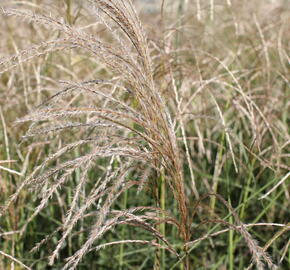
128, 129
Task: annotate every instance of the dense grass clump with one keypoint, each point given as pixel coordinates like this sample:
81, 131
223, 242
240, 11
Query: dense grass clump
144, 138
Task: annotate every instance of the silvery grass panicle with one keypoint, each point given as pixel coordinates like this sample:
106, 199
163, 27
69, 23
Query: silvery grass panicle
131, 134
